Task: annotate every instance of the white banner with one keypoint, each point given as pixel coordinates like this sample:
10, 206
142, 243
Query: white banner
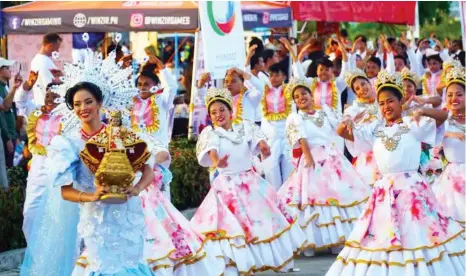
463, 21
222, 35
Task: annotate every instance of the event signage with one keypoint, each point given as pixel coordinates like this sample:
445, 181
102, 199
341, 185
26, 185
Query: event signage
68, 21
273, 18
222, 35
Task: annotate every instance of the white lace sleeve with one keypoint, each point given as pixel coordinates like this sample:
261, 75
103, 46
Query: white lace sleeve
364, 134
254, 135
206, 142
294, 130
155, 147
62, 161
333, 117
425, 131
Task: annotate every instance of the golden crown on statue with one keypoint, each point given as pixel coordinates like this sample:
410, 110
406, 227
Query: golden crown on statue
114, 155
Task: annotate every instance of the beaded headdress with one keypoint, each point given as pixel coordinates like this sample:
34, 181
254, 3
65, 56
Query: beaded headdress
455, 75
385, 79
113, 81
295, 83
221, 94
352, 74
406, 74
451, 63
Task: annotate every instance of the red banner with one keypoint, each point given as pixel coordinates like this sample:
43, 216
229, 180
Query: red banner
326, 28
355, 11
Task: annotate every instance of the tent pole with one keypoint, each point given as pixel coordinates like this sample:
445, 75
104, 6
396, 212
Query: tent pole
3, 42
193, 86
176, 56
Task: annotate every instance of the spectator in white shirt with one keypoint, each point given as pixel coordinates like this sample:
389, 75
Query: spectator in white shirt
42, 63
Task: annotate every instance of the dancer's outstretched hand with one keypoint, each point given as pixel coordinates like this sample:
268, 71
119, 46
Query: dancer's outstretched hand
309, 162
265, 149
222, 162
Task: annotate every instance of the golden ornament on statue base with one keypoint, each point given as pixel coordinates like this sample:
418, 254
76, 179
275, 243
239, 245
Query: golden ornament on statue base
114, 155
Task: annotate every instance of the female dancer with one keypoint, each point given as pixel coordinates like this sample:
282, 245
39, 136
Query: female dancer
450, 187
113, 233
242, 212
325, 189
431, 159
42, 126
150, 111
363, 111
401, 231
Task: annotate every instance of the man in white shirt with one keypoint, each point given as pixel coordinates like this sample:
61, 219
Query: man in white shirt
456, 51
42, 64
361, 46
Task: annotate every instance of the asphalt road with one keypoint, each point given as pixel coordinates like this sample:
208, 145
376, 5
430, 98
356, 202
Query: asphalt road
315, 266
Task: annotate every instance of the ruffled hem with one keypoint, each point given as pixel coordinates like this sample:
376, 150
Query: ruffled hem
328, 226
163, 256
82, 269
449, 192
444, 259
276, 253
199, 263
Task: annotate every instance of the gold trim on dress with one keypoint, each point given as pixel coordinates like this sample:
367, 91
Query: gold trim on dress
334, 91
415, 262
270, 116
356, 244
301, 207
239, 106
155, 126
33, 145
277, 269
425, 89
254, 241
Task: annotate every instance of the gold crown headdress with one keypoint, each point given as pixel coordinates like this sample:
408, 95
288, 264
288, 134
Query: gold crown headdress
385, 79
406, 74
221, 94
352, 74
295, 83
451, 63
455, 75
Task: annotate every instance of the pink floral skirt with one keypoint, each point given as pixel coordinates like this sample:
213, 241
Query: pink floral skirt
450, 191
401, 232
172, 247
366, 166
251, 225
327, 199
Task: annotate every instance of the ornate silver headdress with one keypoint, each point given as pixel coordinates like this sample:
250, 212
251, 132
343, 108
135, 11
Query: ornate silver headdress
385, 79
352, 74
218, 94
295, 83
451, 63
455, 75
117, 89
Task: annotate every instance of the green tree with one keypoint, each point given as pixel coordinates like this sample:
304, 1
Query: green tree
373, 30
429, 11
444, 26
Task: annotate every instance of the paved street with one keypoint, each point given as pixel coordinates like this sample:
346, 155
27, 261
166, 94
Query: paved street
316, 266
